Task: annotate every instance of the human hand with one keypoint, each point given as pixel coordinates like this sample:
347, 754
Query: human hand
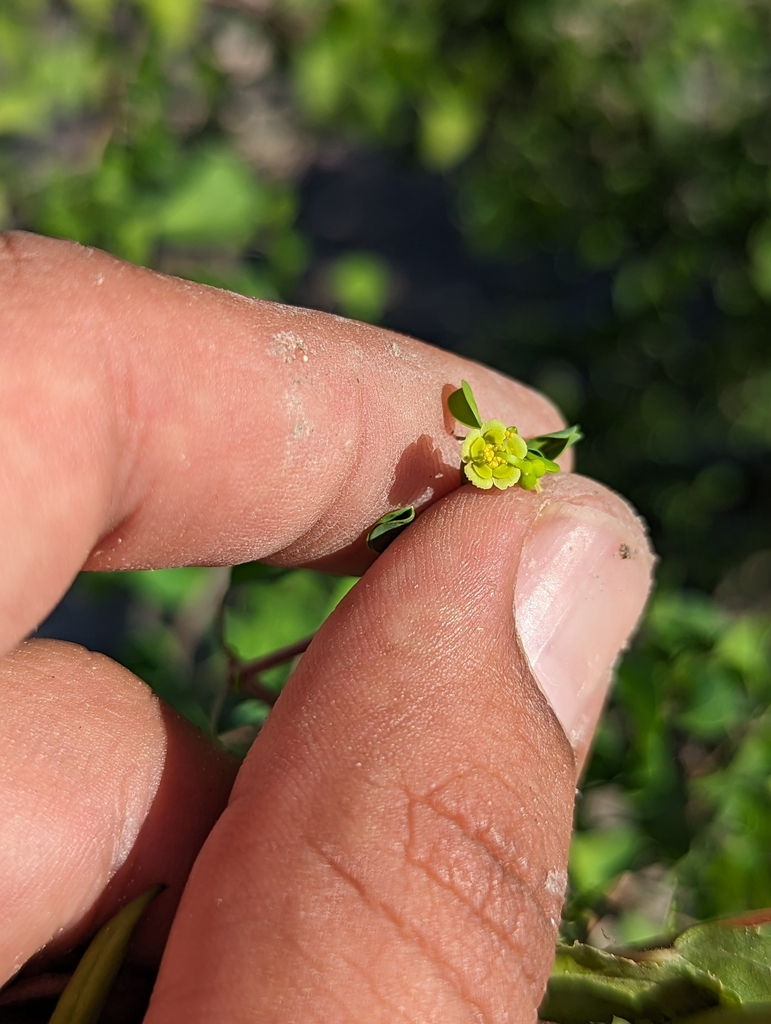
395, 844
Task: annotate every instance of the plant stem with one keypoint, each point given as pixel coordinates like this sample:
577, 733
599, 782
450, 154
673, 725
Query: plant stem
250, 669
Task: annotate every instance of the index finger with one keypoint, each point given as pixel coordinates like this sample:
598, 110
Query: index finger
147, 421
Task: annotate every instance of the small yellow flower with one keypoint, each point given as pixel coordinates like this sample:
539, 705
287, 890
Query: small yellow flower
492, 456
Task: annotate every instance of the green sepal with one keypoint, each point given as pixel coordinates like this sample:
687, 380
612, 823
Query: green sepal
86, 993
553, 445
388, 528
463, 406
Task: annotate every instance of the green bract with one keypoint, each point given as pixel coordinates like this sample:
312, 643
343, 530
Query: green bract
494, 455
551, 446
463, 406
388, 528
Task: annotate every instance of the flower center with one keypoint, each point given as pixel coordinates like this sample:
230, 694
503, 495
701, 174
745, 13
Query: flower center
490, 457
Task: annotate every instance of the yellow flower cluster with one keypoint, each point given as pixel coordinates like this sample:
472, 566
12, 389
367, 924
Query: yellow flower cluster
496, 456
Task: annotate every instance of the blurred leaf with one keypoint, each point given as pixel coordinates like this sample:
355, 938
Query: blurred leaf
96, 11
264, 616
44, 78
250, 571
167, 588
450, 124
760, 251
174, 20
360, 283
84, 997
219, 200
598, 857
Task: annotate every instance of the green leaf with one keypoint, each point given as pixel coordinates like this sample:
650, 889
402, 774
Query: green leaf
553, 445
388, 528
589, 984
739, 956
463, 406
86, 993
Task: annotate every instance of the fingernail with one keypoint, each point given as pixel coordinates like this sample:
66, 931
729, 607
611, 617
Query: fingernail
582, 583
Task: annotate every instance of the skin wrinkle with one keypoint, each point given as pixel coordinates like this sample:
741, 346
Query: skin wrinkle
468, 803
545, 902
366, 976
500, 875
407, 932
320, 975
321, 967
437, 950
446, 875
314, 538
509, 855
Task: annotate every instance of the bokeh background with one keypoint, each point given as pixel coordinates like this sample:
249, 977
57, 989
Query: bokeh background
577, 192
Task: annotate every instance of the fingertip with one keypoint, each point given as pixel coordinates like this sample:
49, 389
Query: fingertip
103, 792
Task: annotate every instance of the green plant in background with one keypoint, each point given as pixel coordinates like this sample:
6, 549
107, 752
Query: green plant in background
631, 142
628, 144
110, 134
715, 973
200, 636
677, 792
359, 284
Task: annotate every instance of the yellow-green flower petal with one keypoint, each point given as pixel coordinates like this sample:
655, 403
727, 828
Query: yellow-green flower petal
471, 438
515, 445
476, 475
505, 476
477, 447
493, 431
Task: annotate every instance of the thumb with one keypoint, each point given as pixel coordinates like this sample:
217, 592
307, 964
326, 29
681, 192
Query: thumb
396, 844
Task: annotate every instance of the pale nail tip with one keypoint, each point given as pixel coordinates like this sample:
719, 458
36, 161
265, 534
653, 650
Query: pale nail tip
580, 591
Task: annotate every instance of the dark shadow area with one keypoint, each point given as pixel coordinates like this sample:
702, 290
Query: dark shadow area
95, 618
420, 471
443, 293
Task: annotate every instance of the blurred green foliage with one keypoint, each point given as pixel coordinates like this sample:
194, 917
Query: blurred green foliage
632, 140
680, 777
359, 284
629, 143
